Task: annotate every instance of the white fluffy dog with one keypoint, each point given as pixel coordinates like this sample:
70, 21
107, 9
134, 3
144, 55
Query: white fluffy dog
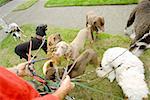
128, 71
75, 46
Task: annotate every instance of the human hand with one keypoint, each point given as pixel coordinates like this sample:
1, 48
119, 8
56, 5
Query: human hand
23, 69
65, 87
66, 84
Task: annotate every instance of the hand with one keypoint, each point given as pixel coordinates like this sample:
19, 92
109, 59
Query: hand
65, 87
23, 69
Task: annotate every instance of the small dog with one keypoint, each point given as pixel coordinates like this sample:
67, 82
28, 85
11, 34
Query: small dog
128, 70
22, 50
53, 39
89, 55
72, 50
96, 22
15, 30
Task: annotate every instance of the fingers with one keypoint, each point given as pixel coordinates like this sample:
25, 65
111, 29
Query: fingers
67, 83
23, 69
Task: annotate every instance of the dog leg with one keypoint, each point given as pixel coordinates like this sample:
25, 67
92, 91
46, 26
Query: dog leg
111, 76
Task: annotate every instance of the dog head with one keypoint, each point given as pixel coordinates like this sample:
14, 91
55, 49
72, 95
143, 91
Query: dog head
61, 48
100, 71
41, 29
105, 72
51, 71
98, 24
53, 39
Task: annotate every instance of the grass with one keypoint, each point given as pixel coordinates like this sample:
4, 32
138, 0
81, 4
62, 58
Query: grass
55, 3
2, 2
1, 27
27, 4
104, 89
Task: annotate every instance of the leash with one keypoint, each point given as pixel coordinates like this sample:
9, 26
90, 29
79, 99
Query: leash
67, 72
112, 62
38, 60
96, 90
44, 39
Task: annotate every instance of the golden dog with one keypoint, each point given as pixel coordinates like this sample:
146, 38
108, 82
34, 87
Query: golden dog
53, 39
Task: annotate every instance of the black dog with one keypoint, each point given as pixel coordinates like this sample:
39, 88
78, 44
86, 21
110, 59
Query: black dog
22, 50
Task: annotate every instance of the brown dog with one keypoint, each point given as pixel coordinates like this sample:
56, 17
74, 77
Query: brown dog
78, 69
96, 22
53, 39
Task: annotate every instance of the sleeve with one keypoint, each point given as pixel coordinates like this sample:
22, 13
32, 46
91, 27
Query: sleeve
47, 97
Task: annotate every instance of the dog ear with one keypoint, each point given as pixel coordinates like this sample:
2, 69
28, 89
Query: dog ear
101, 23
51, 64
101, 19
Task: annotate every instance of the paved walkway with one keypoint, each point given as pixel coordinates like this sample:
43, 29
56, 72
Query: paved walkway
73, 17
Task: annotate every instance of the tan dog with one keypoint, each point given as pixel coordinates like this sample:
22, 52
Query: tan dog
79, 67
53, 39
72, 49
96, 22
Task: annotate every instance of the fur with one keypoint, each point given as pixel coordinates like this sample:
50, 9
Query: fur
22, 50
140, 16
97, 22
141, 45
129, 74
53, 39
15, 30
79, 67
75, 46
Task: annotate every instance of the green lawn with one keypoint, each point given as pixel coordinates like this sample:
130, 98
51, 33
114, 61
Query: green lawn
27, 4
104, 89
2, 2
53, 3
1, 27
